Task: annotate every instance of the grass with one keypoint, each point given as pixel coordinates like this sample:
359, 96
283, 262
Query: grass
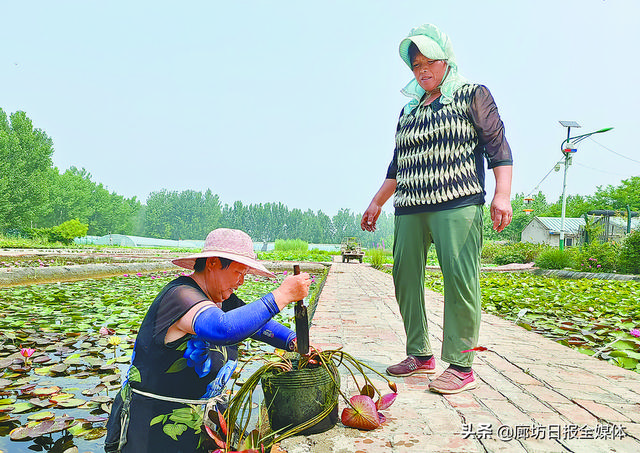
314, 255
10, 242
291, 245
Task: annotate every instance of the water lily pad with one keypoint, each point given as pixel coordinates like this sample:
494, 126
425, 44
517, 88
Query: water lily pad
45, 427
623, 345
5, 362
7, 401
108, 367
6, 419
97, 389
71, 402
74, 359
46, 391
95, 433
41, 359
42, 371
89, 405
40, 403
101, 399
110, 378
21, 433
61, 397
5, 383
363, 415
79, 429
96, 419
26, 389
22, 407
83, 375
43, 415
59, 368
94, 361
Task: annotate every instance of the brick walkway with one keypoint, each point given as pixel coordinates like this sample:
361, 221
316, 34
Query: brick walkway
525, 379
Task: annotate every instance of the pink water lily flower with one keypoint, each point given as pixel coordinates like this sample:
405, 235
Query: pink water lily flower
26, 353
635, 332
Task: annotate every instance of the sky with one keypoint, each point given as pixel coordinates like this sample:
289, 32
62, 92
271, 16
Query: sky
297, 102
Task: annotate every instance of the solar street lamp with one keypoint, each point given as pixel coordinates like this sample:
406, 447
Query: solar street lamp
569, 147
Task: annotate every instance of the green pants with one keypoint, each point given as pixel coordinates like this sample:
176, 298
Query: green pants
457, 235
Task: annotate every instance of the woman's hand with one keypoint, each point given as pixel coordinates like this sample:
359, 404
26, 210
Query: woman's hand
501, 212
293, 288
370, 216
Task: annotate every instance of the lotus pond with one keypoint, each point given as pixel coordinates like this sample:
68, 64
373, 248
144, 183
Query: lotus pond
596, 317
10, 262
64, 348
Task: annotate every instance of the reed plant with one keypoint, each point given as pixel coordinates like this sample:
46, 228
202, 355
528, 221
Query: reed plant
291, 245
377, 257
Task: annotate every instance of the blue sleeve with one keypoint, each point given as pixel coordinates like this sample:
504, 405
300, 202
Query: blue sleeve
227, 328
276, 335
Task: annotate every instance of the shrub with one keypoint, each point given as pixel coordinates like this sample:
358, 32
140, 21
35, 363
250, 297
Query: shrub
64, 233
598, 257
520, 252
629, 258
377, 257
291, 245
553, 258
490, 249
67, 231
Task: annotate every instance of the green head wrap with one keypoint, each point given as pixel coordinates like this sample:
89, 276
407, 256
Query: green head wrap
434, 44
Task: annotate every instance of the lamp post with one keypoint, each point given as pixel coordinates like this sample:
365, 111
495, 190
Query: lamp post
568, 147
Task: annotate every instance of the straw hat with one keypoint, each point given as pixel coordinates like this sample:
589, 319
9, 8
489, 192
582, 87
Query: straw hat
235, 245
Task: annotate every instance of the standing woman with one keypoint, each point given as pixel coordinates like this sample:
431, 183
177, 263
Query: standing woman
187, 345
437, 175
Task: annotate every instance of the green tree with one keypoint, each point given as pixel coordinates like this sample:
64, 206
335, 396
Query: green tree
576, 206
618, 197
324, 234
182, 215
73, 195
345, 224
25, 165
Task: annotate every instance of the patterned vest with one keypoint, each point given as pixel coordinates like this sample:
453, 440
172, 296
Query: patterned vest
435, 153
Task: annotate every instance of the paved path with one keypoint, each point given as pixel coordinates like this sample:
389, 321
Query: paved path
525, 379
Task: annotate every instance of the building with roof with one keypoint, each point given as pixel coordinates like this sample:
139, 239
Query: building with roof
546, 230
125, 240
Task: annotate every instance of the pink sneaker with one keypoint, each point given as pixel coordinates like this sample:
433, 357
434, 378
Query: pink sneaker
453, 381
411, 365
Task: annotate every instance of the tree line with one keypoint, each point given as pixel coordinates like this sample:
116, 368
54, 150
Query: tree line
35, 194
